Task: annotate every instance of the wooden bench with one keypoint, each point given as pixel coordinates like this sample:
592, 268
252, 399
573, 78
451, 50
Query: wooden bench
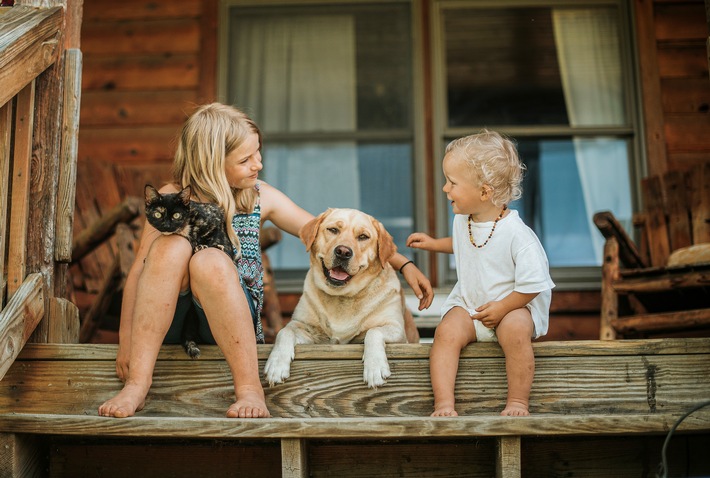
661, 285
600, 408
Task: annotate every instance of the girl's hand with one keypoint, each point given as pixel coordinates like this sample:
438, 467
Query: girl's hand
419, 284
122, 357
490, 314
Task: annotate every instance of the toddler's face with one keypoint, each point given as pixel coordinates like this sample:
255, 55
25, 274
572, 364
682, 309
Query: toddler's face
466, 196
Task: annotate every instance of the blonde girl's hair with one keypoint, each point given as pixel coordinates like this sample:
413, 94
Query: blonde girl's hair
210, 133
494, 162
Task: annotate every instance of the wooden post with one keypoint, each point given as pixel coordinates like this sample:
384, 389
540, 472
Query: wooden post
67, 172
508, 457
610, 299
294, 458
20, 208
5, 137
63, 322
650, 88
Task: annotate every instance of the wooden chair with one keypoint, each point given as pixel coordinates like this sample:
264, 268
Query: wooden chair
663, 285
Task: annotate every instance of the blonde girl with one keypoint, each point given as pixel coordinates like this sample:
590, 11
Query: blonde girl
219, 156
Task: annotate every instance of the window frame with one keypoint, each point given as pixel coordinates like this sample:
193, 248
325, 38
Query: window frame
292, 280
430, 134
565, 278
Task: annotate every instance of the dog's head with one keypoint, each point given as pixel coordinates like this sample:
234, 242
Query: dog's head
348, 248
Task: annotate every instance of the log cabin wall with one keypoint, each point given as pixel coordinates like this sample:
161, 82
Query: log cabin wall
147, 63
681, 33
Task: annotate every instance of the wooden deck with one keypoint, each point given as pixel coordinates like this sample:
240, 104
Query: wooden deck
600, 408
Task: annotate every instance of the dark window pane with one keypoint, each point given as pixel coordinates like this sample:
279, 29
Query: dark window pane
533, 66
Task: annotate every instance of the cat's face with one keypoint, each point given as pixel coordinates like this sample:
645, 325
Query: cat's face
167, 213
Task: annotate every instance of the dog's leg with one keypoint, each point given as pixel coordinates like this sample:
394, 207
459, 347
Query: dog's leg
278, 366
376, 367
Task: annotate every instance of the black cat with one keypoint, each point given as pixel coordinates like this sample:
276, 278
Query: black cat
202, 224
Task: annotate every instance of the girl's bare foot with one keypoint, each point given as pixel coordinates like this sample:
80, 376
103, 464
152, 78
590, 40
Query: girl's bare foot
128, 401
445, 411
515, 409
249, 404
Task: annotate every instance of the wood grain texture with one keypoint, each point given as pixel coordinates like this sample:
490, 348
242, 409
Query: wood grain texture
27, 46
66, 193
19, 318
351, 428
5, 160
329, 385
20, 202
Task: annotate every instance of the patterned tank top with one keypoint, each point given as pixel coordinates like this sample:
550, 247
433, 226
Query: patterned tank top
251, 271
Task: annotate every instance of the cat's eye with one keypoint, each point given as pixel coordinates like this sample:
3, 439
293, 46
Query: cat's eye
157, 215
177, 215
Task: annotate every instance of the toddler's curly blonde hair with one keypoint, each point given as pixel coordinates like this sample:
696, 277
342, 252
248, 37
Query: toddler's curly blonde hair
494, 162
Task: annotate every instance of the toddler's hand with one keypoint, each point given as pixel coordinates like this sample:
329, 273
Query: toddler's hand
419, 240
490, 314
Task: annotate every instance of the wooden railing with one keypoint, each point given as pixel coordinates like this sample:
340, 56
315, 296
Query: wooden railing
39, 110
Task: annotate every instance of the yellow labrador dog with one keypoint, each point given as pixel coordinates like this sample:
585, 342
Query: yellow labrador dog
351, 294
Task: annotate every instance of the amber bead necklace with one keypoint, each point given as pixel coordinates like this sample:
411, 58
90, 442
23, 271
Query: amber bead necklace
495, 223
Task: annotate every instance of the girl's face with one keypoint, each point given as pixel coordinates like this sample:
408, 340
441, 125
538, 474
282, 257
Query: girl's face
243, 164
466, 196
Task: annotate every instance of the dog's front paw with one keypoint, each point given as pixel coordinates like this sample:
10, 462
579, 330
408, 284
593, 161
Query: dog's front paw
376, 372
277, 368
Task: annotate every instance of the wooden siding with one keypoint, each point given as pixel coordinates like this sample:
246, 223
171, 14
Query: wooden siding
681, 32
147, 64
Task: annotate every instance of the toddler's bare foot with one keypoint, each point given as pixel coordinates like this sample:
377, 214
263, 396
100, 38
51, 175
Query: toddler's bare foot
515, 409
249, 404
128, 401
444, 411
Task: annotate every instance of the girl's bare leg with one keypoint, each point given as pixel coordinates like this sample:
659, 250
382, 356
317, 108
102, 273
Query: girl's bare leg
215, 282
453, 333
514, 335
157, 292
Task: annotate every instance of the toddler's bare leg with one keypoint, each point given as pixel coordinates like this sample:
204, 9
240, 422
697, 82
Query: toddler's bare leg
156, 296
514, 335
215, 282
453, 333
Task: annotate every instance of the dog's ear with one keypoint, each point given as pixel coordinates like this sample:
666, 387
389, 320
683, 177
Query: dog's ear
309, 231
386, 247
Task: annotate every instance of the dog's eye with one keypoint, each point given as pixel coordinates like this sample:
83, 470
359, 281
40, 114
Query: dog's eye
333, 230
363, 237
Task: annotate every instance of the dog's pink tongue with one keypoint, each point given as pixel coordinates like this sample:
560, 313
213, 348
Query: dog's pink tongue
339, 274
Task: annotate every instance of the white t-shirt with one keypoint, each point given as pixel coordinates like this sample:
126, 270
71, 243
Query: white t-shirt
513, 260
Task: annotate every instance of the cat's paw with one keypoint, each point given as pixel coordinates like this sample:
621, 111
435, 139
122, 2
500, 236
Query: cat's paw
192, 350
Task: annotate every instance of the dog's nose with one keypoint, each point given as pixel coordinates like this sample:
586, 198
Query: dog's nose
343, 252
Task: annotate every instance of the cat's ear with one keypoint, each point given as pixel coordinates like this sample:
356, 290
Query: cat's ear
151, 194
184, 195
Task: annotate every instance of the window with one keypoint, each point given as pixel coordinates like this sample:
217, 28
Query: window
555, 79
338, 91
331, 88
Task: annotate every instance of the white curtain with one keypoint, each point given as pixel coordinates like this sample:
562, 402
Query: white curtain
588, 52
298, 74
